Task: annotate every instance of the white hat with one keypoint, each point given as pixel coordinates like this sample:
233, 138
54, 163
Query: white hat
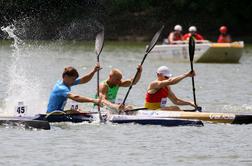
164, 71
178, 28
192, 29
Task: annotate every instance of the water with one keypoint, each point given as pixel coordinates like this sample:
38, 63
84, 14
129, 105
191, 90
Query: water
30, 74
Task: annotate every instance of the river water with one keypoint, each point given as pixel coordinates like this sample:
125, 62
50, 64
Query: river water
29, 70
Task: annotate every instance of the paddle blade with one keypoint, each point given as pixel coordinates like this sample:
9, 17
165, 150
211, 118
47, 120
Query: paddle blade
191, 48
154, 40
99, 42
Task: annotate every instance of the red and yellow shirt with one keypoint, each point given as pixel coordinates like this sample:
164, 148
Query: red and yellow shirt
156, 100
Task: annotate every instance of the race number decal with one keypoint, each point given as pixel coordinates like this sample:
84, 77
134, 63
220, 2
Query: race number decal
163, 102
74, 106
20, 109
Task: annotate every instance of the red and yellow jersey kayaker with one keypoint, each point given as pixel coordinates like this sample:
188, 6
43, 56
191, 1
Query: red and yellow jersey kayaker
159, 90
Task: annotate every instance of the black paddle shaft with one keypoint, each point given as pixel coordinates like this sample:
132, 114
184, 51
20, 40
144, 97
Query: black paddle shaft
149, 48
191, 54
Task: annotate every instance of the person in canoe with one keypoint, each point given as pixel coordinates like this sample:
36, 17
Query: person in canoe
176, 36
109, 88
159, 90
62, 89
193, 32
224, 37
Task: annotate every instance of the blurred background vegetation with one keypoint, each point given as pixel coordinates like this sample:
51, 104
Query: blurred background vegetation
124, 19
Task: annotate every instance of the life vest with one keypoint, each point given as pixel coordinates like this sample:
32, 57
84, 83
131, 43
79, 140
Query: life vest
156, 100
196, 36
223, 39
177, 37
112, 92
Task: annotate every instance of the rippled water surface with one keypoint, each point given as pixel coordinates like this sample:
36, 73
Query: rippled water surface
29, 73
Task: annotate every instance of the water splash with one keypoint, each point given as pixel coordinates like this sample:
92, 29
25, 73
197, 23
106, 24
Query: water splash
20, 86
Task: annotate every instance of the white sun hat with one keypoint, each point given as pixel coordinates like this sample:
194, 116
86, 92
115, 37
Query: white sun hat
192, 29
164, 71
178, 28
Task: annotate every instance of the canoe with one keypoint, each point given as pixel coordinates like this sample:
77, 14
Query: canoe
119, 119
26, 122
205, 52
230, 118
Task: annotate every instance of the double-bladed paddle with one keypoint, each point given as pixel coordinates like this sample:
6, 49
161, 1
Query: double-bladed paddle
99, 42
191, 54
148, 49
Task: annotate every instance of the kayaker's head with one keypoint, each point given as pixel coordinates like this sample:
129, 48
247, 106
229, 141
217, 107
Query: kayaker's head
115, 77
178, 29
163, 73
192, 29
69, 75
223, 29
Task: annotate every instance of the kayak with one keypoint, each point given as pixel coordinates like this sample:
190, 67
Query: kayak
119, 119
205, 52
27, 122
230, 118
155, 117
149, 120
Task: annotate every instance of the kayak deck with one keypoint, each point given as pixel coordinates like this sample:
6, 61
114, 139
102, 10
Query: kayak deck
119, 119
204, 116
27, 122
171, 122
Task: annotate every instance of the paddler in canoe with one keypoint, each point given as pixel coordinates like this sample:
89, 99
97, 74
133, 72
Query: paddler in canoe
224, 37
193, 32
109, 88
62, 89
159, 90
176, 37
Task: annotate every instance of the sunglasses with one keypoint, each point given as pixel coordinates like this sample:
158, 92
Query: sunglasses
166, 77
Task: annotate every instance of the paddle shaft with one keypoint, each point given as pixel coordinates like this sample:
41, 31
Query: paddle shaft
193, 85
134, 79
98, 88
99, 43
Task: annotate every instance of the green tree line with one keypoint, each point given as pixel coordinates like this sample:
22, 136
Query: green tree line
124, 19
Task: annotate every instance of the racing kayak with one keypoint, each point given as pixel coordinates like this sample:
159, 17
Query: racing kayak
143, 116
119, 119
230, 118
27, 122
149, 120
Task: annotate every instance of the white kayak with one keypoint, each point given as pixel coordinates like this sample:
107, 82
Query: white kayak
213, 117
205, 52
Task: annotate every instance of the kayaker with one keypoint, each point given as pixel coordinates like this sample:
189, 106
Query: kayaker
193, 32
62, 89
176, 35
109, 88
224, 37
159, 90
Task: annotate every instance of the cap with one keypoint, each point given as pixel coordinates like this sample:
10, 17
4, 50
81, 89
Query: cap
178, 28
164, 71
192, 29
223, 29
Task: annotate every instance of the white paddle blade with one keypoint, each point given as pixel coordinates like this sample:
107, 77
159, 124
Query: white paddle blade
99, 42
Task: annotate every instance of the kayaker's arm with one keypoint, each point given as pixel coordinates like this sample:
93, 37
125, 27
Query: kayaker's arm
90, 75
170, 81
179, 101
82, 99
103, 91
127, 83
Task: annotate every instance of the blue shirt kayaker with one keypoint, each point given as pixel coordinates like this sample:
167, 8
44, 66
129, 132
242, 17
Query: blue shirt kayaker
62, 89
